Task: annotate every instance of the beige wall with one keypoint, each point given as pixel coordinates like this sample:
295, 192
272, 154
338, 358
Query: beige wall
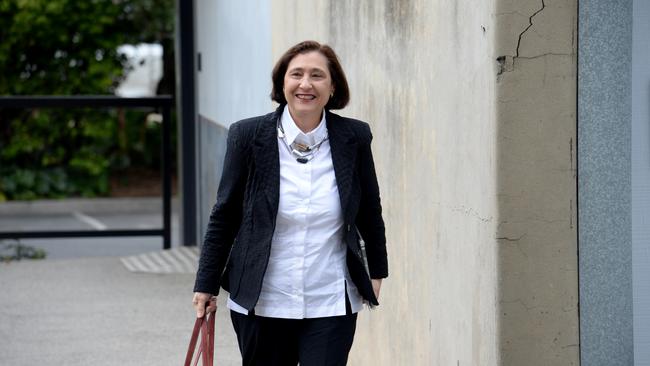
476, 162
423, 74
537, 232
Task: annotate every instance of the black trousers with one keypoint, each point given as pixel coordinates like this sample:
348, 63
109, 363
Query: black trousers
285, 342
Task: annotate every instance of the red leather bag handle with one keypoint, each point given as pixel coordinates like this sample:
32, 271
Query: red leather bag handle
205, 327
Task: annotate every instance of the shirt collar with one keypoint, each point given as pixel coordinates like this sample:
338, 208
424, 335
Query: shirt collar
291, 130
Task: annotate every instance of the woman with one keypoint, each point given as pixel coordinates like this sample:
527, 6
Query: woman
298, 186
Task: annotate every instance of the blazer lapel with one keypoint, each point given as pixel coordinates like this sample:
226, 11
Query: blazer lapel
343, 145
267, 158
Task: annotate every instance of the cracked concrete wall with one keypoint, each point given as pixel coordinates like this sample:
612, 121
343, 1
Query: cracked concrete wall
537, 232
422, 73
475, 158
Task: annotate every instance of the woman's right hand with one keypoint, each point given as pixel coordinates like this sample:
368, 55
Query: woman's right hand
200, 299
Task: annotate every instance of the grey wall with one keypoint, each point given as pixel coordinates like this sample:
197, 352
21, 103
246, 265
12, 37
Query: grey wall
212, 142
641, 180
537, 232
604, 189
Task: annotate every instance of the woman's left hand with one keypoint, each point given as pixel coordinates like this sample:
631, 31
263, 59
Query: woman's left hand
376, 286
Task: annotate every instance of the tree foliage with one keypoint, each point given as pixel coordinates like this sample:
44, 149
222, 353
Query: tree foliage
69, 47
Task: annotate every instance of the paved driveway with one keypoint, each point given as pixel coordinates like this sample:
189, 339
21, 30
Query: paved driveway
94, 311
81, 306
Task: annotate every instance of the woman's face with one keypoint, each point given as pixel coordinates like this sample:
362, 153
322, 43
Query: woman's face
307, 84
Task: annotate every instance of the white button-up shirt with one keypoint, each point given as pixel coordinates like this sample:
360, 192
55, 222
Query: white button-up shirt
307, 275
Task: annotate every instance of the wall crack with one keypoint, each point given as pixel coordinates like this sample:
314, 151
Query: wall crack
506, 63
511, 239
522, 303
530, 24
544, 55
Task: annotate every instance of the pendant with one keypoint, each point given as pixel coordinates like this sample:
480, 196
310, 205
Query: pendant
302, 160
301, 147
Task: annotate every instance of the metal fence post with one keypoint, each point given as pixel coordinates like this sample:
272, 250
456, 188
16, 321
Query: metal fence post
167, 177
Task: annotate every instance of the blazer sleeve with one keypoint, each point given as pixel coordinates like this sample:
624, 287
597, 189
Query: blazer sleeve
225, 217
369, 219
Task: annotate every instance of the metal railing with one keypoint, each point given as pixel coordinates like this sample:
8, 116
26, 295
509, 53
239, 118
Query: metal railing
163, 103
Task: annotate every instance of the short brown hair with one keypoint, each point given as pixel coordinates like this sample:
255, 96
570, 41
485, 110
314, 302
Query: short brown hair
341, 95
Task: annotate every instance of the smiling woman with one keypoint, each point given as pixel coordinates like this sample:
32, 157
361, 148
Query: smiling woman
298, 190
307, 89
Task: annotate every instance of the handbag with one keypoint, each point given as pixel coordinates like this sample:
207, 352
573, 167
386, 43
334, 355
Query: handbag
205, 328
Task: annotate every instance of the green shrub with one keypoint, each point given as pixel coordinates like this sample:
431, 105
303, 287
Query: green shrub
68, 47
18, 251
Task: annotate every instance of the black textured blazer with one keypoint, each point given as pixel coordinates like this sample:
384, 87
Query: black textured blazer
237, 243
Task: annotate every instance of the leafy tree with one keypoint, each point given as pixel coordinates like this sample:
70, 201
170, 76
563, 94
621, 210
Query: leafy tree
68, 47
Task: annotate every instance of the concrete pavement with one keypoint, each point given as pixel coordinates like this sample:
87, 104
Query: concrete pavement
93, 311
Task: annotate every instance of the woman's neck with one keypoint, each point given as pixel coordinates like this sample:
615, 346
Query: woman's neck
307, 122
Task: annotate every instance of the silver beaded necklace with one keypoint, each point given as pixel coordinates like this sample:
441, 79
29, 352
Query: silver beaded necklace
302, 152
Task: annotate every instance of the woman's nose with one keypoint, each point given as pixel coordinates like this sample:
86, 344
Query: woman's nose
305, 83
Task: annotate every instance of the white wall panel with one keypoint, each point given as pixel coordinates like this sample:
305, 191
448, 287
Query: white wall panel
234, 40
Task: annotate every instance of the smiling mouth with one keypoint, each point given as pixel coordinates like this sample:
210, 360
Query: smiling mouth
306, 96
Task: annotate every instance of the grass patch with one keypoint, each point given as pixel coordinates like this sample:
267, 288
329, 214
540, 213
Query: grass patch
18, 251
